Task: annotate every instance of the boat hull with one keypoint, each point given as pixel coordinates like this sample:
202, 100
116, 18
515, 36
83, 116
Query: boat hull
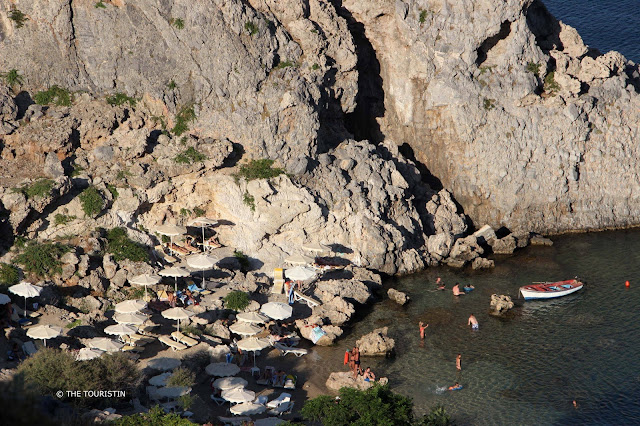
531, 293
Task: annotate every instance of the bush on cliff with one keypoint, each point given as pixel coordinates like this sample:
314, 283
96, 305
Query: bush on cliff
236, 300
51, 370
54, 95
155, 417
119, 244
92, 201
9, 275
42, 259
259, 169
377, 405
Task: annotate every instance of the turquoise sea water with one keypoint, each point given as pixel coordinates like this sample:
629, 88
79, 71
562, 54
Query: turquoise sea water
603, 24
526, 369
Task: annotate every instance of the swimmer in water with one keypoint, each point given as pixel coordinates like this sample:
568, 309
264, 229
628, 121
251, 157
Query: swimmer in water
422, 326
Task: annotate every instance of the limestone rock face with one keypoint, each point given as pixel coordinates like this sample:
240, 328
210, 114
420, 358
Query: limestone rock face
524, 124
397, 296
376, 343
338, 380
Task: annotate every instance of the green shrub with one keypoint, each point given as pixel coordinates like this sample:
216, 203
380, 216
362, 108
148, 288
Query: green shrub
171, 85
437, 417
488, 104
249, 200
236, 300
181, 377
92, 201
251, 27
62, 219
191, 329
377, 405
550, 84
285, 64
259, 169
12, 77
198, 211
120, 99
77, 170
9, 274
55, 95
315, 67
177, 22
123, 174
74, 324
100, 5
42, 259
423, 16
119, 244
534, 68
38, 189
155, 417
243, 259
50, 370
185, 212
184, 116
113, 190
18, 17
189, 156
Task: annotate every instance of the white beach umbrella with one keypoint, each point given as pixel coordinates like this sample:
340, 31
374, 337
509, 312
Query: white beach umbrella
44, 332
160, 379
4, 299
316, 247
222, 369
130, 318
25, 290
300, 273
202, 222
174, 272
276, 310
104, 344
85, 354
130, 306
247, 408
121, 329
171, 231
252, 317
253, 344
145, 280
238, 395
164, 363
202, 262
245, 329
173, 391
299, 259
177, 314
225, 383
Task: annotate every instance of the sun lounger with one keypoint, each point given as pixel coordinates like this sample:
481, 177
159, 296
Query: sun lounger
184, 339
21, 311
160, 254
20, 320
261, 399
179, 250
284, 350
236, 421
284, 397
29, 348
282, 409
176, 346
218, 400
310, 301
139, 340
130, 348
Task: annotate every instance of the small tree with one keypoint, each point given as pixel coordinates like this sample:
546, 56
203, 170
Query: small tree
181, 377
236, 300
119, 244
92, 201
9, 274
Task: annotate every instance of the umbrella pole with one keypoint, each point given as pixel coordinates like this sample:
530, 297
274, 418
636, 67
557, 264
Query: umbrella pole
24, 314
178, 326
176, 284
203, 278
203, 237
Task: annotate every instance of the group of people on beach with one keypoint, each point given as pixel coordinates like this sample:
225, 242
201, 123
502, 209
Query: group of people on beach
354, 365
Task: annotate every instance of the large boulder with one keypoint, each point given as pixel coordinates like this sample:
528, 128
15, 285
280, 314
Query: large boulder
305, 327
339, 380
500, 304
397, 296
376, 343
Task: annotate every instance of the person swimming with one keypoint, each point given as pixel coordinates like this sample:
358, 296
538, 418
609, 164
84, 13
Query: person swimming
456, 386
439, 283
422, 326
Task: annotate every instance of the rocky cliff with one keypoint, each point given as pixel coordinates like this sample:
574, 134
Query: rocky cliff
499, 103
526, 125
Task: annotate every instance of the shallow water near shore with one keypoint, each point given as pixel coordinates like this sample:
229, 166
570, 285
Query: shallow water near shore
526, 369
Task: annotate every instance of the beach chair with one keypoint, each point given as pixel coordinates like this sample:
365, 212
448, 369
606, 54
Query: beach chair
261, 399
186, 340
235, 421
278, 281
176, 346
283, 398
159, 252
29, 348
130, 348
308, 300
139, 340
281, 409
284, 350
20, 320
218, 400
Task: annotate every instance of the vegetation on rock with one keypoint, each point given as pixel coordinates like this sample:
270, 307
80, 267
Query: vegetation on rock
550, 84
18, 17
534, 68
100, 5
184, 116
119, 244
9, 275
177, 22
249, 200
243, 259
38, 189
92, 201
155, 417
285, 64
181, 377
54, 95
12, 77
120, 99
251, 27
62, 219
259, 169
42, 259
236, 300
189, 156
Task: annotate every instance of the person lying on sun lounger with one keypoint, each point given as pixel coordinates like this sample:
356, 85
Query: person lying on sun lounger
278, 378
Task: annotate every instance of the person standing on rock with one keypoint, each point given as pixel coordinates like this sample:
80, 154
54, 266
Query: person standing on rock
422, 326
356, 362
473, 322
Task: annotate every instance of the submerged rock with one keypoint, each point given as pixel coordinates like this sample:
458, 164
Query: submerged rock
338, 380
398, 296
